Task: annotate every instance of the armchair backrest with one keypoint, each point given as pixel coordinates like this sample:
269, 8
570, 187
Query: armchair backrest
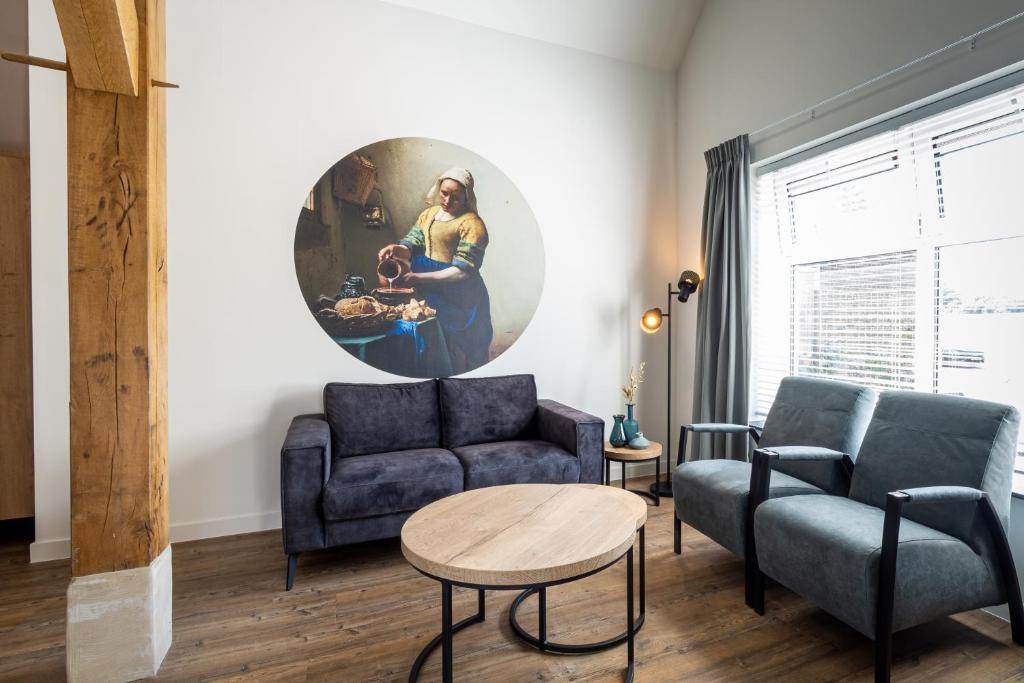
920, 439
809, 411
487, 409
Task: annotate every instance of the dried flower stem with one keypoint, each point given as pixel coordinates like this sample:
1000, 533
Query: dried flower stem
633, 381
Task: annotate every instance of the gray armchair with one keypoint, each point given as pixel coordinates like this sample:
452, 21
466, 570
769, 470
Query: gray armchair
922, 533
711, 495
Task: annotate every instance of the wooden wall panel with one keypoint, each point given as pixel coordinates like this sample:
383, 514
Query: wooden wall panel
117, 289
16, 457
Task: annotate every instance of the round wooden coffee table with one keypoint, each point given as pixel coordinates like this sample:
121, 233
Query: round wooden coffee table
624, 454
525, 537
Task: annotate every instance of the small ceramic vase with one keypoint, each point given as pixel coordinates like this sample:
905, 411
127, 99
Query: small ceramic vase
639, 442
630, 426
618, 437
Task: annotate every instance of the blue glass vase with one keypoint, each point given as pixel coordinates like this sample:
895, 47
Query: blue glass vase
630, 426
618, 437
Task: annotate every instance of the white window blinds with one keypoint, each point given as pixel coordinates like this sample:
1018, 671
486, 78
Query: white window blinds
893, 262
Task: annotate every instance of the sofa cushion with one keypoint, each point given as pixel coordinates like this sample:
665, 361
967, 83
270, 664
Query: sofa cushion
384, 483
517, 462
486, 409
827, 549
380, 418
711, 496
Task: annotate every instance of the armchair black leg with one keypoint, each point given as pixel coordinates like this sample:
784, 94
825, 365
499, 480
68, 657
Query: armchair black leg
1010, 583
883, 658
756, 590
887, 586
760, 485
677, 534
293, 559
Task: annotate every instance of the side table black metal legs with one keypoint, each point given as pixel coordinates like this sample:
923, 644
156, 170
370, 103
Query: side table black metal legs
649, 495
540, 641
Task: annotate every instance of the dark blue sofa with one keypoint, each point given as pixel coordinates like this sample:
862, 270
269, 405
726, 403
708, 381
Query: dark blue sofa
379, 452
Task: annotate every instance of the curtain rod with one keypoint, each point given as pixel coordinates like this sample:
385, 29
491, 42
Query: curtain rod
871, 81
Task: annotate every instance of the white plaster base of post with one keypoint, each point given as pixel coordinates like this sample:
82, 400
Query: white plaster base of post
119, 623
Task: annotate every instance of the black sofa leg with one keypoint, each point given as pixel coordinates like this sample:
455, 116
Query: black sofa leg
293, 559
677, 535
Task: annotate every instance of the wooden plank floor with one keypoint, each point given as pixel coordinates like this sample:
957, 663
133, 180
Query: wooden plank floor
362, 614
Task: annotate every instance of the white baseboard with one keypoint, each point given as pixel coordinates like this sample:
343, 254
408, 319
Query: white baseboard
60, 548
44, 551
225, 526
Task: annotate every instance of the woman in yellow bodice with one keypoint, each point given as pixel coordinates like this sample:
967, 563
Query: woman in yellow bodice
446, 248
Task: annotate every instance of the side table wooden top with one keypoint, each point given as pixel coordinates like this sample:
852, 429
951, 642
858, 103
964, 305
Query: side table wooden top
625, 453
522, 534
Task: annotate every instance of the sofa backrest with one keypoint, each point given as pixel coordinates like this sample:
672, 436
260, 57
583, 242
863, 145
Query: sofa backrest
487, 409
379, 418
921, 439
810, 411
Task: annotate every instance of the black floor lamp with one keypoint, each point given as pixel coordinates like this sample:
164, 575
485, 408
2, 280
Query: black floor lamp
651, 323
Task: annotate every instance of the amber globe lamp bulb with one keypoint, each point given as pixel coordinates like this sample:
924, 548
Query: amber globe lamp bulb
651, 320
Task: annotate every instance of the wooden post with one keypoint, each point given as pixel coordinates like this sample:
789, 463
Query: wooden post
119, 598
102, 39
117, 284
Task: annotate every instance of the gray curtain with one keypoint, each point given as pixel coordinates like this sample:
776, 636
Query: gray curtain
722, 364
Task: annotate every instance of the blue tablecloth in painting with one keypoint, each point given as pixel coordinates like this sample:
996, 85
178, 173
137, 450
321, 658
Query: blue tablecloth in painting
411, 349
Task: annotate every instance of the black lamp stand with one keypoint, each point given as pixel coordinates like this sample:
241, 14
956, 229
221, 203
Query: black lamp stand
664, 487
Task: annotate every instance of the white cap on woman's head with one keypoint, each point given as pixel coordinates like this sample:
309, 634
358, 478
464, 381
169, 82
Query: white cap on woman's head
462, 177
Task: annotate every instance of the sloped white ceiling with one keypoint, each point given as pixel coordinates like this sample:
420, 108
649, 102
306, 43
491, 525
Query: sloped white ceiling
651, 33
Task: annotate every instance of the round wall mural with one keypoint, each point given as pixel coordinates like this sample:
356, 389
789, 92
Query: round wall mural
419, 257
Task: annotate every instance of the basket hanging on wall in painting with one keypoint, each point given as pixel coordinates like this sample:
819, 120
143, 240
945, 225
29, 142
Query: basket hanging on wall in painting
354, 179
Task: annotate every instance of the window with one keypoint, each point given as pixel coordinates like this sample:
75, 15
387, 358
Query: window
893, 262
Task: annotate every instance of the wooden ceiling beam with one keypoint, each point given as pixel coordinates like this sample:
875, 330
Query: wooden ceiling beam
102, 41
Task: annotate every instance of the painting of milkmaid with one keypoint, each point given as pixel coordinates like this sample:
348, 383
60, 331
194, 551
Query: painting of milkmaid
419, 257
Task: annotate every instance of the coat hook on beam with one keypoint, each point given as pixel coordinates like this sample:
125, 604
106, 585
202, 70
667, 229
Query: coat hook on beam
34, 61
62, 66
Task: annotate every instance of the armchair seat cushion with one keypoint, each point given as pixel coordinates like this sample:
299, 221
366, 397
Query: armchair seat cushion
827, 549
711, 496
517, 462
386, 483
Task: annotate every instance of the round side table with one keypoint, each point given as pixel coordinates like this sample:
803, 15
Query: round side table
624, 455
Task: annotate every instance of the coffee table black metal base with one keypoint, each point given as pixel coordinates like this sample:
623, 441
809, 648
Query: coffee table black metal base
540, 641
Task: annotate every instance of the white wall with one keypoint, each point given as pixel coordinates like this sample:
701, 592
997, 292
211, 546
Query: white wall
752, 62
272, 94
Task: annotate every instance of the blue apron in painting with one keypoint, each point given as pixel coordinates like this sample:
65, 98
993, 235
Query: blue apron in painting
463, 309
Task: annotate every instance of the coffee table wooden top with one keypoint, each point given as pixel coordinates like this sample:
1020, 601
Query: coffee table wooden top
522, 534
625, 453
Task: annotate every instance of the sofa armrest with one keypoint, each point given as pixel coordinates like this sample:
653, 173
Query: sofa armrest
577, 432
305, 469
